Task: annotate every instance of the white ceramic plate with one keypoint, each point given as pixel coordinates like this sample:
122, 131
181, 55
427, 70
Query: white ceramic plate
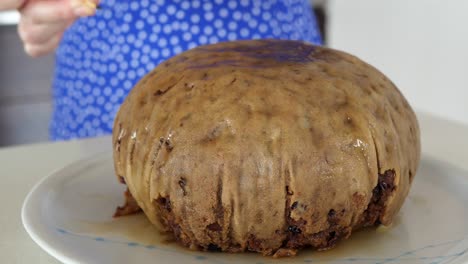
69, 214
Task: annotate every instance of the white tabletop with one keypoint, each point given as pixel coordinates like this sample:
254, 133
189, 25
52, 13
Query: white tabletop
21, 167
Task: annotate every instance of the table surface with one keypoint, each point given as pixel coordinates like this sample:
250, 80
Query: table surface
22, 167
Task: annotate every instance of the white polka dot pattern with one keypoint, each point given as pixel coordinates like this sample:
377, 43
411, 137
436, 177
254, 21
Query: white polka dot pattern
102, 57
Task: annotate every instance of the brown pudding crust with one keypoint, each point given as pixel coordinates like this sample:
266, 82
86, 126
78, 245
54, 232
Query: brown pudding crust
130, 206
323, 240
267, 146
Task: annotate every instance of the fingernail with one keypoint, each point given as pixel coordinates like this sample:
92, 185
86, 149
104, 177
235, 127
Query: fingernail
27, 48
30, 51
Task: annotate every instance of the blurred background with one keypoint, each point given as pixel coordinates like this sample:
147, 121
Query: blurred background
422, 45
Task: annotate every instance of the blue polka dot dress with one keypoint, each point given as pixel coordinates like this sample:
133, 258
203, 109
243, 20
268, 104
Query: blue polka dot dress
101, 58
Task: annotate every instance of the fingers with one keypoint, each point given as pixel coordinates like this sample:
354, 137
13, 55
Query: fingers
11, 4
41, 12
37, 50
43, 22
40, 33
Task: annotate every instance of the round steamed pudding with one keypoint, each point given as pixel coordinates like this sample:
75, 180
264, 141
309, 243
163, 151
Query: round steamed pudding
266, 146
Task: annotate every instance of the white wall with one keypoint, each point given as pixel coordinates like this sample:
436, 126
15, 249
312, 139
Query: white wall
422, 45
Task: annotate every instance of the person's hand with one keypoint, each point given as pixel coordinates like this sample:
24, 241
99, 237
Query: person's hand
11, 4
43, 22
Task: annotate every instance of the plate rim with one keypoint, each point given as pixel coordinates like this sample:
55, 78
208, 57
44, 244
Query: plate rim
34, 228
